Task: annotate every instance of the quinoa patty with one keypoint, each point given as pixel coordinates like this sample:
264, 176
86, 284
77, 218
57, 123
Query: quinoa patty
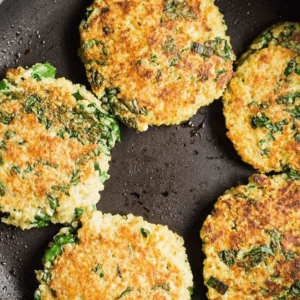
107, 257
54, 147
252, 241
155, 62
262, 103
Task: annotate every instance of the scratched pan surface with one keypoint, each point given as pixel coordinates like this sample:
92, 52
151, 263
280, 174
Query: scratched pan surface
169, 175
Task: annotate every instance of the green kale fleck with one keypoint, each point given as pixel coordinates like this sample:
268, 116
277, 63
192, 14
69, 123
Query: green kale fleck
297, 137
61, 134
103, 176
170, 46
219, 73
292, 67
295, 112
96, 78
278, 126
290, 255
98, 270
202, 49
102, 50
30, 102
9, 134
163, 286
274, 277
275, 241
6, 117
106, 30
264, 291
289, 39
173, 62
153, 58
241, 196
145, 232
129, 289
219, 47
263, 121
256, 256
37, 294
265, 152
293, 174
15, 169
57, 245
77, 96
3, 85
228, 257
45, 70
267, 37
2, 190
288, 99
78, 212
29, 168
295, 289
52, 201
119, 271
41, 220
261, 142
258, 122
158, 75
2, 145
75, 177
178, 9
218, 285
60, 187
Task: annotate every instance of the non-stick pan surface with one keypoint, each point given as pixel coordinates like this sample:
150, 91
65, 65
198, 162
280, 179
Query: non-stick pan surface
169, 175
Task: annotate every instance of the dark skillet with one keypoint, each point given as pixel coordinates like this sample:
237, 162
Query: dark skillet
169, 175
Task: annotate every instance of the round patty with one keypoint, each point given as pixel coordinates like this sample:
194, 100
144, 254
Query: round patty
155, 62
252, 241
113, 257
262, 103
54, 147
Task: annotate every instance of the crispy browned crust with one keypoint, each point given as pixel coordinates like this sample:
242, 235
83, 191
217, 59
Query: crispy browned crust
113, 255
263, 213
45, 171
136, 60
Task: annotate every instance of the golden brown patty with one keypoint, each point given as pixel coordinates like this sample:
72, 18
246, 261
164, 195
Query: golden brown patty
54, 147
262, 103
252, 241
155, 62
115, 257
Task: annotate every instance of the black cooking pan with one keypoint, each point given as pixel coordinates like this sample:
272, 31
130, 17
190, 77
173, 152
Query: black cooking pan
169, 175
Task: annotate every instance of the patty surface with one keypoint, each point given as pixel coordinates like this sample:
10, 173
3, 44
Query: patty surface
54, 147
102, 256
252, 241
262, 103
155, 62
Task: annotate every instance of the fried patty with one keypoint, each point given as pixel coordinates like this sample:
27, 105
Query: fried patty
114, 257
155, 62
54, 147
252, 241
262, 103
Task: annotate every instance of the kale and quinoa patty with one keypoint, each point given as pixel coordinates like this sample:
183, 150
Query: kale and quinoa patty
55, 142
262, 103
155, 62
252, 241
104, 256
